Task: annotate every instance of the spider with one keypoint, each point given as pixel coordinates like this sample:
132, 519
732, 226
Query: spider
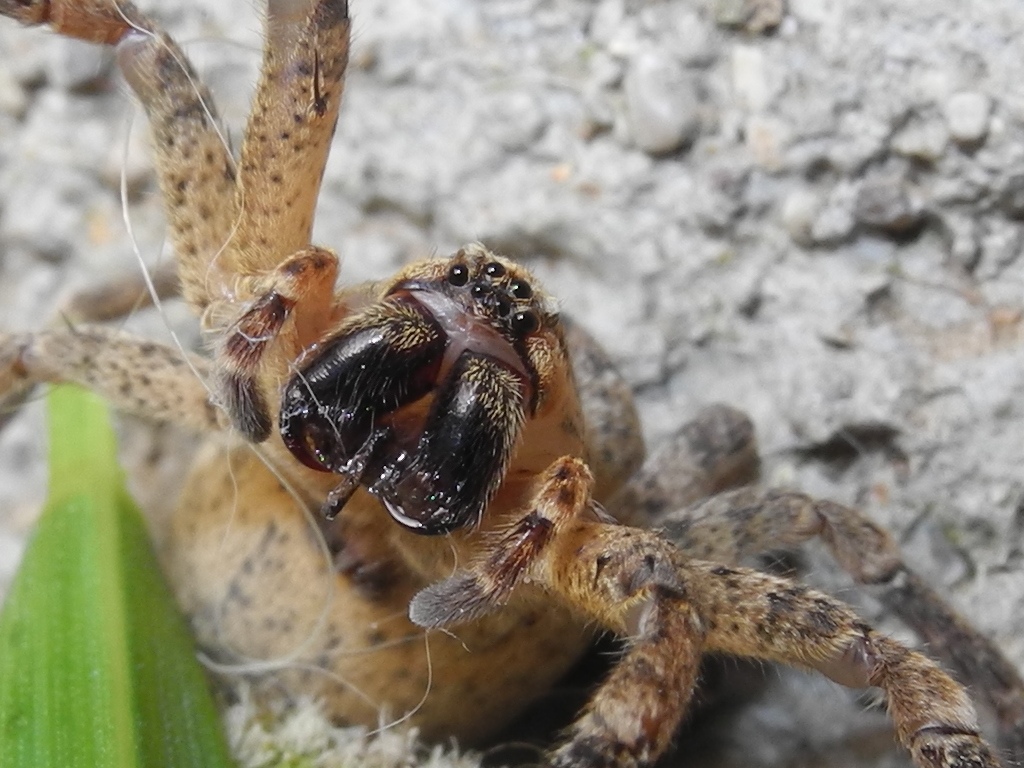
475, 458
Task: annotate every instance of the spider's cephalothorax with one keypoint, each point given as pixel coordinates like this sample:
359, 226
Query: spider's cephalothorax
421, 397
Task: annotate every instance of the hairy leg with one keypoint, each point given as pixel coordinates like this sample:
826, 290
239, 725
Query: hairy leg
737, 525
289, 131
292, 308
226, 219
640, 586
136, 376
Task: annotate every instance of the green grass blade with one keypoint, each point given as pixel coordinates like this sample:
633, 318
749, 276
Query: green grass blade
97, 668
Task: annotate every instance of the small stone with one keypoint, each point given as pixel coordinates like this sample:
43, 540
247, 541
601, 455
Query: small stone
662, 104
835, 221
24, 57
1001, 246
716, 212
1011, 197
863, 138
46, 217
730, 13
799, 210
514, 120
813, 11
720, 198
749, 77
922, 140
607, 19
969, 185
967, 114
754, 16
766, 138
888, 206
960, 234
694, 37
604, 70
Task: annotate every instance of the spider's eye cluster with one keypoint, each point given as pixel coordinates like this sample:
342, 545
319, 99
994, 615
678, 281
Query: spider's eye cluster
505, 299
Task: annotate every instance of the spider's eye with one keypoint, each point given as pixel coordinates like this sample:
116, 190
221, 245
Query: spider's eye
494, 269
520, 289
524, 323
458, 274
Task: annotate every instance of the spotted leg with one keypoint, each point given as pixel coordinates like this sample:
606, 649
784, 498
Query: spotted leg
738, 525
735, 526
226, 218
673, 609
136, 376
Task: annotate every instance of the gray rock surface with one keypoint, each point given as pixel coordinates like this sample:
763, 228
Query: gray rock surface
723, 252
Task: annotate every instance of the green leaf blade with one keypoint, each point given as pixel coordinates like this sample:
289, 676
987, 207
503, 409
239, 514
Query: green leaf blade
97, 667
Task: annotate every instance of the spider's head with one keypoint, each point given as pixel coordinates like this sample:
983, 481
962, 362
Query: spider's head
484, 302
421, 397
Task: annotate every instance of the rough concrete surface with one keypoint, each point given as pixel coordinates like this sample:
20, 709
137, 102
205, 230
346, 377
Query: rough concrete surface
813, 211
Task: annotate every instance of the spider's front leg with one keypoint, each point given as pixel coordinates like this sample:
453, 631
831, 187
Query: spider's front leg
224, 218
674, 609
240, 231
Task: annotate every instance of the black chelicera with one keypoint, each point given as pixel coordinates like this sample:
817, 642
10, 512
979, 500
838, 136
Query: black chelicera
422, 399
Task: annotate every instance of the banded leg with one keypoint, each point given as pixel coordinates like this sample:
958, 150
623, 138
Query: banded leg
752, 614
735, 526
640, 586
976, 659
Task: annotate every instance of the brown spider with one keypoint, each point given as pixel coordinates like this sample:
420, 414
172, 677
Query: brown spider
452, 399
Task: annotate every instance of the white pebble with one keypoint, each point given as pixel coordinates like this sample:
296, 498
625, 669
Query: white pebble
923, 140
835, 221
766, 138
662, 103
799, 211
749, 77
967, 114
